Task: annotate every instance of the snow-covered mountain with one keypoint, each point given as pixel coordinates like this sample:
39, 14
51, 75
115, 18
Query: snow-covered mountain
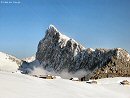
63, 56
57, 52
14, 85
9, 63
29, 59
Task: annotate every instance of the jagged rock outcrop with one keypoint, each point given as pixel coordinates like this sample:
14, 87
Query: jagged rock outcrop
58, 52
117, 65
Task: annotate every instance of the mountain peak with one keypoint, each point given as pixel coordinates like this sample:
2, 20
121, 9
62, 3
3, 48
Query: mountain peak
52, 28
57, 52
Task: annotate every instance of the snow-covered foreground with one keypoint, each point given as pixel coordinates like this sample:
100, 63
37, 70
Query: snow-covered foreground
16, 85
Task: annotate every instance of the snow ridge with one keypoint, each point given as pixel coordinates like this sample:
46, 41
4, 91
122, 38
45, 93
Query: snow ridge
8, 62
29, 59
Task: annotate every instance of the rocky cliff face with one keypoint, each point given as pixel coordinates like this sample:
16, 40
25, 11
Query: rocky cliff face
58, 52
118, 65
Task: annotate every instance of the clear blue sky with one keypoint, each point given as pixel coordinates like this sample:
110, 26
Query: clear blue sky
93, 23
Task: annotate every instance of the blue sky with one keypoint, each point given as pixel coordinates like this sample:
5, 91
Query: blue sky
93, 23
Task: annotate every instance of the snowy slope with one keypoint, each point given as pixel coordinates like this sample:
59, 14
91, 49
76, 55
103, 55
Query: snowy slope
29, 59
14, 85
8, 62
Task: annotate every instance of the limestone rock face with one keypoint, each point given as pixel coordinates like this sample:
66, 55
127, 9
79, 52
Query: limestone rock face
58, 52
118, 65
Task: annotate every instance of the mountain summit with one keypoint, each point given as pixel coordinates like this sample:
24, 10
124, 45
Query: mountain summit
57, 52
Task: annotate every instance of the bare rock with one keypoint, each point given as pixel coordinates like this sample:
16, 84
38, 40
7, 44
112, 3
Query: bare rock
57, 52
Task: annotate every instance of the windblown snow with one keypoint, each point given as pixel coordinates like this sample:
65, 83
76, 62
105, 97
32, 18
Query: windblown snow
16, 85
